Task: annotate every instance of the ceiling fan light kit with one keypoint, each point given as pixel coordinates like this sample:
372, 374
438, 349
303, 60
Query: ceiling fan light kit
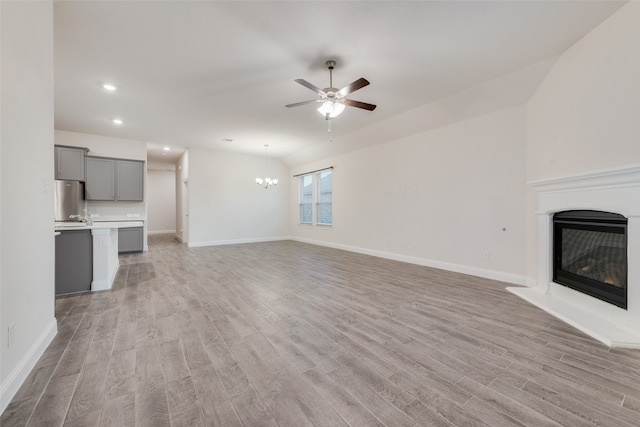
334, 100
331, 108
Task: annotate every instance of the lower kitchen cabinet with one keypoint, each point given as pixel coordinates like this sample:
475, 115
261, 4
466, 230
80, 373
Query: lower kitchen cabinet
130, 239
74, 261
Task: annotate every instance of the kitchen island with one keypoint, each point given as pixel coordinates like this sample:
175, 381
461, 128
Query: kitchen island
104, 264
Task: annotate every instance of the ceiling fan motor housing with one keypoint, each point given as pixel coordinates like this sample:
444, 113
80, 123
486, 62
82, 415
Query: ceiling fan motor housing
330, 92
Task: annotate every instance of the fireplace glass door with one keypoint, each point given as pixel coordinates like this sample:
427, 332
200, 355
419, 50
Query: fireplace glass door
590, 254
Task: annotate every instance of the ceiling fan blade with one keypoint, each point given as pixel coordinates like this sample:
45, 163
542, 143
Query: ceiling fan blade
358, 84
297, 104
314, 88
359, 104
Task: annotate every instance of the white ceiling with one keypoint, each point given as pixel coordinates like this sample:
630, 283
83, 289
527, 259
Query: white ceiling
197, 74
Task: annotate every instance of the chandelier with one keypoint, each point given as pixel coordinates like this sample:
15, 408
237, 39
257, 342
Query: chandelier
266, 182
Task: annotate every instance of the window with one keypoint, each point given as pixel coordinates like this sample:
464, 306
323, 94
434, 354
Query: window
306, 199
316, 189
323, 197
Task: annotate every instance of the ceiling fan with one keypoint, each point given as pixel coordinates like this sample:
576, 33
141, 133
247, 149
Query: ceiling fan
333, 100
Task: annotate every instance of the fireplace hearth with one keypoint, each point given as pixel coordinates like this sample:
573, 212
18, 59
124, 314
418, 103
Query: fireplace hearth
589, 275
590, 254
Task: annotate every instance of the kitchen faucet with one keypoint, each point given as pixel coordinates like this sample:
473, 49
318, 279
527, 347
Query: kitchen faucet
87, 217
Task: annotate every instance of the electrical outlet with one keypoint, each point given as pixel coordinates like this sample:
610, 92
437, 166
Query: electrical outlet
486, 255
11, 334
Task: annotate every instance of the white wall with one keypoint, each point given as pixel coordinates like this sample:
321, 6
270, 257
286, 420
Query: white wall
104, 146
585, 115
440, 197
226, 205
26, 199
161, 201
182, 198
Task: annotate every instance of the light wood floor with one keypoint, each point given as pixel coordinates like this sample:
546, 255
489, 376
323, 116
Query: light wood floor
289, 334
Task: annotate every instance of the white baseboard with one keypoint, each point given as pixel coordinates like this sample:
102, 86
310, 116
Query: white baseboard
237, 241
106, 284
100, 285
149, 233
10, 386
458, 268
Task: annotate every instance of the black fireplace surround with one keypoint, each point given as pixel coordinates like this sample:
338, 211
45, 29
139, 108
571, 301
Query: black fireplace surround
590, 254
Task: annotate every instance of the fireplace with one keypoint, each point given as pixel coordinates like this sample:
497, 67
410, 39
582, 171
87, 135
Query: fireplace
590, 254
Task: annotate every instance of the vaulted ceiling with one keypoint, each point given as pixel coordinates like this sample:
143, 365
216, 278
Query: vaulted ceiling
217, 74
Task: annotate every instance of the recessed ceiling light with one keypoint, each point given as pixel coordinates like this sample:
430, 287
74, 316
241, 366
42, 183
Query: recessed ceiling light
117, 121
166, 148
109, 87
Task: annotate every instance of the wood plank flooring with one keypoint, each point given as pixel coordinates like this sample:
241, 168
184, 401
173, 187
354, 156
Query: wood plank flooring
290, 334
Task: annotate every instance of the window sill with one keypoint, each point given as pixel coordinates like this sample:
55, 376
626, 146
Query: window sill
318, 226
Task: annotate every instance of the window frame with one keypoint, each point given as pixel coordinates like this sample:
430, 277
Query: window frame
315, 202
301, 202
317, 198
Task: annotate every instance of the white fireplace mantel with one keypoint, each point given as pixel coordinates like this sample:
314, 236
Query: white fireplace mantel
614, 190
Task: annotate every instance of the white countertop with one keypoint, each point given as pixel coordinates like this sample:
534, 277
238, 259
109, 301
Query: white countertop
66, 226
128, 217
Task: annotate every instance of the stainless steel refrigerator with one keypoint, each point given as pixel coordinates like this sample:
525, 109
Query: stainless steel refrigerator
69, 200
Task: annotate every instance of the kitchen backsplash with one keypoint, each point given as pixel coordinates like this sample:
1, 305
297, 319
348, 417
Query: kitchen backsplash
110, 211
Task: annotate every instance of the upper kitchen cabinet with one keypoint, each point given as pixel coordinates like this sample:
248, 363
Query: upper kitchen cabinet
100, 183
69, 162
129, 180
114, 179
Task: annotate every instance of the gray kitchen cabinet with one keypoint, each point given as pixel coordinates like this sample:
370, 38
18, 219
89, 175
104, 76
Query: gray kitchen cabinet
69, 162
100, 183
129, 180
74, 262
130, 239
114, 179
